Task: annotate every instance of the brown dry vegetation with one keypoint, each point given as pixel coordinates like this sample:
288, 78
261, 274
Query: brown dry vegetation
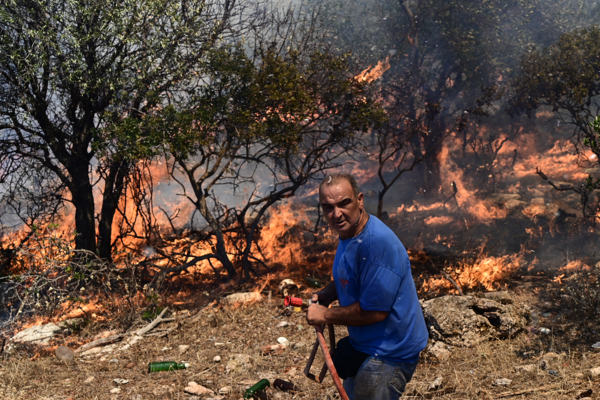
467, 374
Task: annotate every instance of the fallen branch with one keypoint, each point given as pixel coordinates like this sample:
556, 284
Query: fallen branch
100, 342
520, 392
157, 320
448, 278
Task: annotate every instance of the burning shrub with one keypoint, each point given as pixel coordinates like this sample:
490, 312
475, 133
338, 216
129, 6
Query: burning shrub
583, 291
474, 272
48, 273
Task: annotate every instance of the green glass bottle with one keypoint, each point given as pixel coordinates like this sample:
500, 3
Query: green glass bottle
260, 385
312, 282
166, 366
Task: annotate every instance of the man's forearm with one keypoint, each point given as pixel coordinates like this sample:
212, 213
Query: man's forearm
352, 315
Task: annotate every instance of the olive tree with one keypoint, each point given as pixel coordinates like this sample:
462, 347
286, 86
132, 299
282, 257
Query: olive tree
71, 70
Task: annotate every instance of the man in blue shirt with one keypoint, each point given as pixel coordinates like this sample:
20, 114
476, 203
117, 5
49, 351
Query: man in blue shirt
377, 295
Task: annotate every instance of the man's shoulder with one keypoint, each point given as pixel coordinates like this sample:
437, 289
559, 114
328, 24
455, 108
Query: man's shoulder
381, 235
382, 246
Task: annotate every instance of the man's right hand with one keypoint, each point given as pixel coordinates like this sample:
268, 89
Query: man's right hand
325, 296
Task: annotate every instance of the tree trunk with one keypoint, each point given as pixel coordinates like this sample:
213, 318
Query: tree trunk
221, 252
83, 200
113, 189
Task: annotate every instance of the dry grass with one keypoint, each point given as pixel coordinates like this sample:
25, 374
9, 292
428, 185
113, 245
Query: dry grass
467, 374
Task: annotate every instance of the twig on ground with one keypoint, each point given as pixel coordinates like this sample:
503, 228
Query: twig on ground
157, 320
520, 392
100, 342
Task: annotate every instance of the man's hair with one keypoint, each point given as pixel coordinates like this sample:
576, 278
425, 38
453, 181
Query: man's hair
336, 177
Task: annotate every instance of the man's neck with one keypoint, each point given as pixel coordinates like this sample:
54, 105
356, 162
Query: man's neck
360, 226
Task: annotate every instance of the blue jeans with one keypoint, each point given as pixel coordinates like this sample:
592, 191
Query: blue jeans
379, 380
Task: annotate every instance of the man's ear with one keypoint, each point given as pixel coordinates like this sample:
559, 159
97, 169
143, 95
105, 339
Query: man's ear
360, 198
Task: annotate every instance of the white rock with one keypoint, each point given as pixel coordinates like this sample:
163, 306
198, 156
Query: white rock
115, 390
440, 351
40, 334
217, 359
283, 324
225, 390
435, 385
283, 341
502, 382
120, 381
219, 344
183, 348
595, 372
89, 379
194, 388
113, 360
242, 298
238, 363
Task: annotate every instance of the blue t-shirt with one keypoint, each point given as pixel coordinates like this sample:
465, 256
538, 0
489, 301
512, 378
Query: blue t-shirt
373, 268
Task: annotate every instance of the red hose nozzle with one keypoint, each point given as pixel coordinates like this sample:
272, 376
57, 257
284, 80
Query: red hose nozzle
295, 301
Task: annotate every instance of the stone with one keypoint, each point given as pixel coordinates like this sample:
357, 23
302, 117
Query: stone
243, 297
238, 363
436, 384
115, 390
526, 368
64, 354
217, 359
594, 372
299, 345
195, 389
120, 381
183, 348
113, 360
283, 341
89, 379
225, 390
465, 321
439, 351
283, 324
39, 334
502, 382
502, 297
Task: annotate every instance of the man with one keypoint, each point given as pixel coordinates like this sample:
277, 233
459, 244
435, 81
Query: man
377, 295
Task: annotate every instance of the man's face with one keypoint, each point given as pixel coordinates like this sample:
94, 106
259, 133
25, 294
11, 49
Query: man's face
341, 208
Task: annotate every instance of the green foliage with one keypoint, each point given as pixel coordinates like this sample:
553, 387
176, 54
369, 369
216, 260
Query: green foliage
78, 77
152, 313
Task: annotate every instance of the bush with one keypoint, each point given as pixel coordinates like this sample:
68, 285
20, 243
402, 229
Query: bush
582, 291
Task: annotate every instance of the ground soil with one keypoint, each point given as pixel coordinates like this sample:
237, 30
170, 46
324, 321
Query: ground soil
469, 373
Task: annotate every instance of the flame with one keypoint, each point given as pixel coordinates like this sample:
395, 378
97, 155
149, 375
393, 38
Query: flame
491, 273
372, 74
